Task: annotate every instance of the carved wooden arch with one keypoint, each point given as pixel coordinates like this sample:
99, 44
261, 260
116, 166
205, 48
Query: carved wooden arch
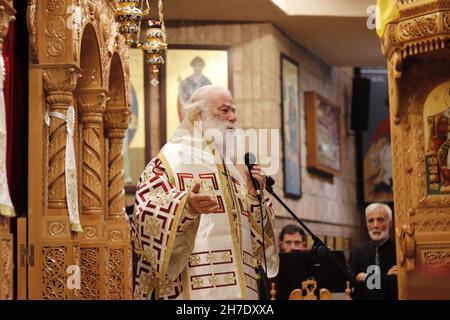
121, 65
91, 99
116, 123
90, 59
116, 83
100, 14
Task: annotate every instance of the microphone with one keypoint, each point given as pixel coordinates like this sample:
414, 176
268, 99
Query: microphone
250, 160
269, 182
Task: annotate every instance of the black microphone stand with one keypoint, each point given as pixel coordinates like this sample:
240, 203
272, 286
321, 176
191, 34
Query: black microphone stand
263, 287
319, 249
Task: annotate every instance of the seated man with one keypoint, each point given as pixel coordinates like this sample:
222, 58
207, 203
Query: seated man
292, 238
377, 254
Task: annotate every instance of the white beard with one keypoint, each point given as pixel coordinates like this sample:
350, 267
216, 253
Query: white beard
224, 138
380, 236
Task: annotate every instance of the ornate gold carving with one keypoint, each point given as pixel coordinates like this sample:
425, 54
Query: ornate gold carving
116, 200
55, 28
116, 274
446, 18
437, 223
428, 204
90, 232
91, 106
407, 247
418, 33
56, 229
410, 8
395, 74
54, 273
101, 15
425, 214
58, 85
90, 274
6, 270
116, 235
402, 187
116, 121
437, 259
418, 27
61, 81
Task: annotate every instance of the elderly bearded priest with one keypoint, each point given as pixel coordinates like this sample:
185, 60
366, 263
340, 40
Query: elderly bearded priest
380, 252
196, 224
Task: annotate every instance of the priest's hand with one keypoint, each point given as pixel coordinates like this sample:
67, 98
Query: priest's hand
201, 203
259, 175
361, 277
392, 271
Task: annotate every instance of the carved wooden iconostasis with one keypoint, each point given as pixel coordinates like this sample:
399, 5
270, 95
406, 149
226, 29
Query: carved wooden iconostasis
80, 65
417, 46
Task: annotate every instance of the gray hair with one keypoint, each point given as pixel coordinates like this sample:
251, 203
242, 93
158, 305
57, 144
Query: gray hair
377, 205
199, 100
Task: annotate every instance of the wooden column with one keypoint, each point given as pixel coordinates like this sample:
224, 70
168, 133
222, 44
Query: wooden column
119, 249
48, 260
59, 84
91, 106
116, 124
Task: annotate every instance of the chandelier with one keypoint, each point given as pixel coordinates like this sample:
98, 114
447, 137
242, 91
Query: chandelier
131, 14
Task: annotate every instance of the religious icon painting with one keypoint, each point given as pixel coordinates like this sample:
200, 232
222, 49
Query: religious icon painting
323, 135
187, 69
436, 122
135, 145
291, 127
376, 141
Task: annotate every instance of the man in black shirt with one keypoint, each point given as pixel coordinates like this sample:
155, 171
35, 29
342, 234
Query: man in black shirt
374, 263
